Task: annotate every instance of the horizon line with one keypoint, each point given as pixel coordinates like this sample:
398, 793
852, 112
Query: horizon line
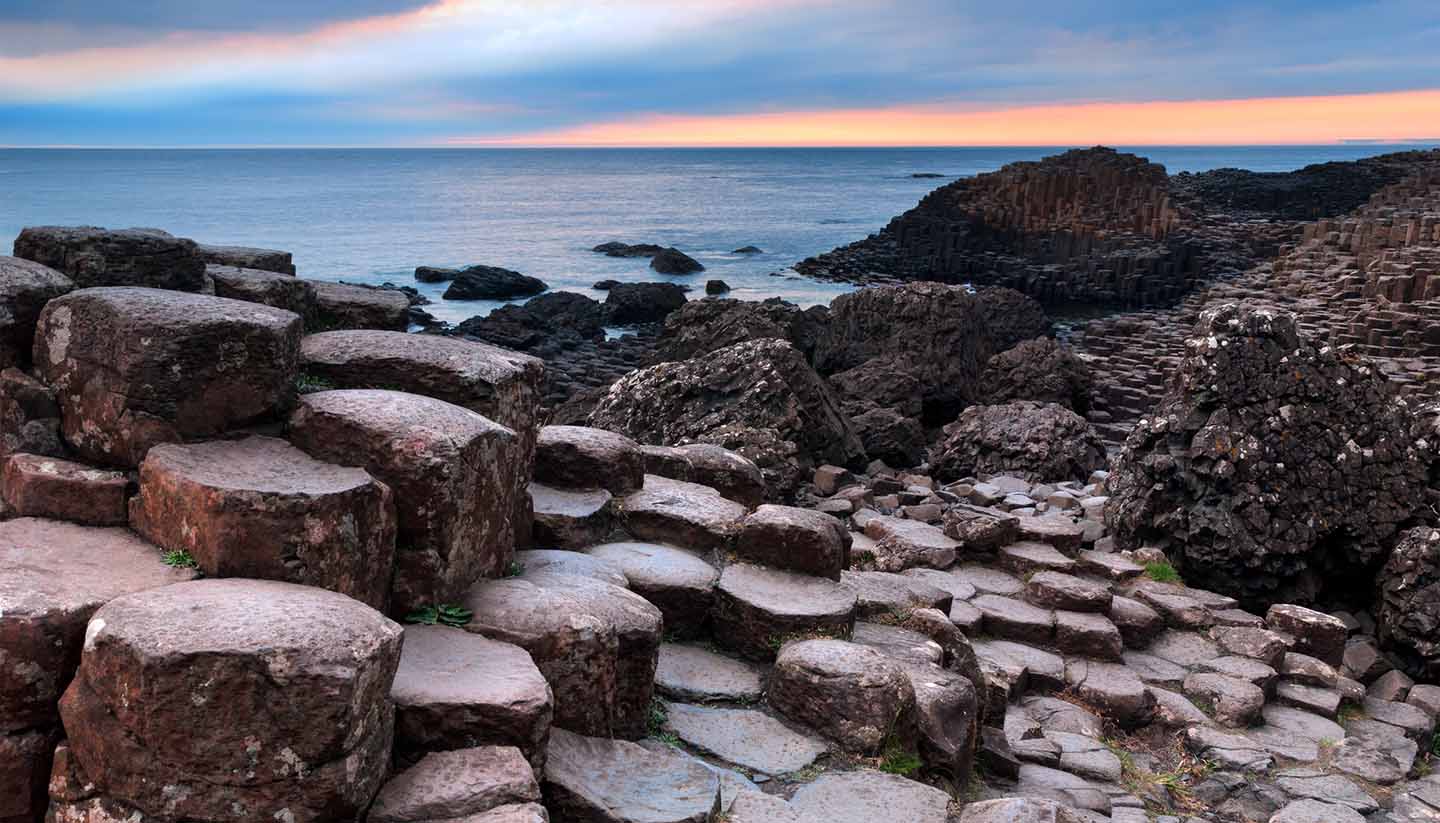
1346, 142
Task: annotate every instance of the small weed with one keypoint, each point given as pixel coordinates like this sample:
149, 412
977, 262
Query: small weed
807, 774
309, 384
515, 569
1349, 712
444, 614
1162, 572
668, 738
180, 559
899, 760
655, 721
776, 641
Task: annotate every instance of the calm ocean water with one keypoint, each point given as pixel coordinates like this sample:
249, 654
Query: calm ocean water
374, 215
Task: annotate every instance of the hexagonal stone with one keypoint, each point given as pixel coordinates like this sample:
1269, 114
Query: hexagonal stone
1112, 689
1085, 756
271, 260
1138, 623
532, 562
579, 457
451, 472
1028, 558
589, 778
1175, 711
37, 486
1294, 733
1363, 759
1016, 810
1238, 618
456, 784
1309, 810
1087, 635
456, 690
1180, 612
1316, 633
732, 474
1109, 565
866, 796
93, 256
899, 643
1331, 788
1061, 532
1416, 724
947, 715
744, 737
849, 693
1302, 668
281, 291
1242, 668
262, 508
758, 609
343, 306
989, 580
56, 575
907, 544
753, 807
1043, 670
138, 367
570, 519
1187, 649
1156, 671
1230, 700
682, 514
678, 582
1015, 619
785, 537
883, 594
1063, 787
1233, 751
295, 719
595, 643
25, 288
1057, 590
696, 675
1264, 645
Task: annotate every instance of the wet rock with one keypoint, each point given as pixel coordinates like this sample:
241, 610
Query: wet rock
312, 743
614, 248
346, 306
757, 610
785, 537
137, 367
612, 781
630, 303
671, 260
248, 257
451, 472
281, 291
683, 514
492, 283
678, 582
1256, 405
716, 287
745, 737
1039, 441
456, 690
36, 486
456, 784
92, 256
1040, 370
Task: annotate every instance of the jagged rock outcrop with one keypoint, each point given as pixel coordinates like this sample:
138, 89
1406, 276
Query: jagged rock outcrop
1036, 441
1407, 613
758, 398
1274, 466
545, 324
1041, 370
1309, 193
630, 303
702, 326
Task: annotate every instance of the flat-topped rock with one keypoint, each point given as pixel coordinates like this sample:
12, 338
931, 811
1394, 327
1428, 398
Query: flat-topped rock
758, 609
677, 581
1310, 810
1331, 788
343, 306
1260, 644
745, 737
904, 544
1294, 733
801, 540
1016, 810
692, 674
1230, 700
990, 580
456, 784
262, 508
1322, 701
1155, 671
596, 644
1188, 649
134, 368
93, 256
1088, 635
579, 457
570, 518
1015, 619
588, 778
867, 796
282, 291
452, 474
38, 486
1316, 633
949, 581
56, 575
456, 690
1043, 670
248, 257
1060, 532
732, 474
1029, 557
851, 694
1138, 623
1057, 590
295, 717
25, 288
682, 514
1110, 565
899, 643
893, 596
1111, 688
1234, 751
1179, 611
532, 562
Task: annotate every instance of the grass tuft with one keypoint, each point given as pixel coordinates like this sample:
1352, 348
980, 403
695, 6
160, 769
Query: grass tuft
445, 614
1162, 572
180, 559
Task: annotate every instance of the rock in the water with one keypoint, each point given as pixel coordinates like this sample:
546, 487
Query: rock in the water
628, 304
25, 288
850, 693
1041, 370
802, 540
345, 306
262, 508
226, 699
455, 785
671, 260
552, 321
612, 781
36, 486
757, 610
452, 473
1274, 467
92, 256
1037, 441
435, 274
1407, 614
716, 287
492, 283
137, 367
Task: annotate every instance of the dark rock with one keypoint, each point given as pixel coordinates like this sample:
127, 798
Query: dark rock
1037, 441
269, 288
432, 274
884, 381
703, 326
617, 249
247, 257
605, 285
748, 250
631, 303
1407, 614
25, 288
347, 306
93, 256
1274, 466
887, 435
850, 693
716, 287
673, 261
549, 322
29, 416
492, 283
1041, 370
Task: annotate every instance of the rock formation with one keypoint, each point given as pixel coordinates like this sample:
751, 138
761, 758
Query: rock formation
1033, 440
1408, 608
492, 283
1041, 370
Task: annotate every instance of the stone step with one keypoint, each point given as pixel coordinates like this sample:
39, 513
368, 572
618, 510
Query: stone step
757, 610
589, 778
459, 784
678, 582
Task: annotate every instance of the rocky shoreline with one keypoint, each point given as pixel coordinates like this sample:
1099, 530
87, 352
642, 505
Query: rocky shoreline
932, 553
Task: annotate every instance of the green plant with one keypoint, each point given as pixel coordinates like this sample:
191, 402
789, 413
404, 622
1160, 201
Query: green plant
1162, 572
179, 559
445, 614
655, 720
515, 569
899, 760
1349, 712
309, 384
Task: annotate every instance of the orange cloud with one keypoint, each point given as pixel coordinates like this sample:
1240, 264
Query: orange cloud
1395, 116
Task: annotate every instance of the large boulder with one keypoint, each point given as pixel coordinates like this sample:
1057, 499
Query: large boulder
492, 283
630, 303
270, 288
137, 367
1041, 442
248, 257
25, 288
1275, 465
93, 256
1039, 369
671, 260
548, 323
235, 699
1407, 614
944, 335
702, 326
763, 386
347, 306
850, 693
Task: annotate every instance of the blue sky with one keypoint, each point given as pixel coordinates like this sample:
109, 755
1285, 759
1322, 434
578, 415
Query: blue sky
446, 72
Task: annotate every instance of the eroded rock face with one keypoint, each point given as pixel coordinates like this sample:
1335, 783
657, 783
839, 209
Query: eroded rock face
1040, 370
1037, 441
702, 326
1273, 467
1408, 611
137, 367
25, 288
762, 386
211, 700
29, 416
92, 256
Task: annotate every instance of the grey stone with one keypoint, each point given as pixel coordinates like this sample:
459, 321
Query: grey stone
1230, 700
866, 796
614, 781
693, 674
1309, 810
745, 737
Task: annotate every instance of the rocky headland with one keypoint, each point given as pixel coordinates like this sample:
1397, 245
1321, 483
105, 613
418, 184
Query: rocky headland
939, 552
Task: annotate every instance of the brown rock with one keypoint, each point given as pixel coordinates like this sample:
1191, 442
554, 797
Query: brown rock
570, 519
267, 287
1316, 633
343, 306
685, 514
25, 774
850, 693
757, 609
453, 785
677, 581
36, 486
591, 780
906, 544
29, 416
732, 474
137, 367
785, 537
586, 458
248, 257
92, 256
452, 474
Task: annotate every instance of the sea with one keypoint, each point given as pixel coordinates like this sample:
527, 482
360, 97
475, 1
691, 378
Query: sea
373, 215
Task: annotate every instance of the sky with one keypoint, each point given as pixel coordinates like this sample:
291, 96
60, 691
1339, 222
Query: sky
454, 73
